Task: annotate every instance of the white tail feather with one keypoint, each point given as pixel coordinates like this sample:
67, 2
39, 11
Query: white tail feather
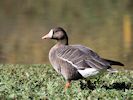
88, 72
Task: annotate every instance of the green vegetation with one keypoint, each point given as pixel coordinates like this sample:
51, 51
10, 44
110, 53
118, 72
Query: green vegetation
42, 82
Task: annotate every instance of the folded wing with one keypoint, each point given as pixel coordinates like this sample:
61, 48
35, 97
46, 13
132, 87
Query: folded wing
81, 57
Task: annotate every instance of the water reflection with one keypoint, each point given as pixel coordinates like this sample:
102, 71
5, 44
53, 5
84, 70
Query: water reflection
127, 39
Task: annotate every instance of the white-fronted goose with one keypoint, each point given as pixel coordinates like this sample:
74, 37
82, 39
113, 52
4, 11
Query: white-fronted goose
75, 61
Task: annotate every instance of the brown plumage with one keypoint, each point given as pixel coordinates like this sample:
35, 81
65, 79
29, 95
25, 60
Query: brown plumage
75, 61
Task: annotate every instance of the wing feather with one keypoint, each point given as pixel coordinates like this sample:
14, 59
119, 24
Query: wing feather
81, 57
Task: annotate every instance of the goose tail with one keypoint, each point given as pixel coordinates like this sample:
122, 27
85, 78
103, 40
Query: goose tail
114, 62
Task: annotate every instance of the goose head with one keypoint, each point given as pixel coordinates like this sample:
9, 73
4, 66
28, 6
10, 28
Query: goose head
58, 34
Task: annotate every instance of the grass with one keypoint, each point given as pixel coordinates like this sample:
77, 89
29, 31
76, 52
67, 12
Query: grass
34, 82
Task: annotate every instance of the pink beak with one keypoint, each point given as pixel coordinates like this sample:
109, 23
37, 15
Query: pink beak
49, 35
45, 36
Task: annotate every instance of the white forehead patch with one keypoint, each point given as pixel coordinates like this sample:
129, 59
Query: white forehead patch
50, 34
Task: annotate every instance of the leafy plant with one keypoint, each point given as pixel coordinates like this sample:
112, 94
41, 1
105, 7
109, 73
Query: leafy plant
37, 81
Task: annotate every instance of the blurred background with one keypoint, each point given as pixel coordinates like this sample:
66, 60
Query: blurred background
103, 25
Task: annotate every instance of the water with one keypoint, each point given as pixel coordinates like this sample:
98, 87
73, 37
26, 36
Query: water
106, 28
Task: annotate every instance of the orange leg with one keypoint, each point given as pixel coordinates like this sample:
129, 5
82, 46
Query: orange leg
67, 85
